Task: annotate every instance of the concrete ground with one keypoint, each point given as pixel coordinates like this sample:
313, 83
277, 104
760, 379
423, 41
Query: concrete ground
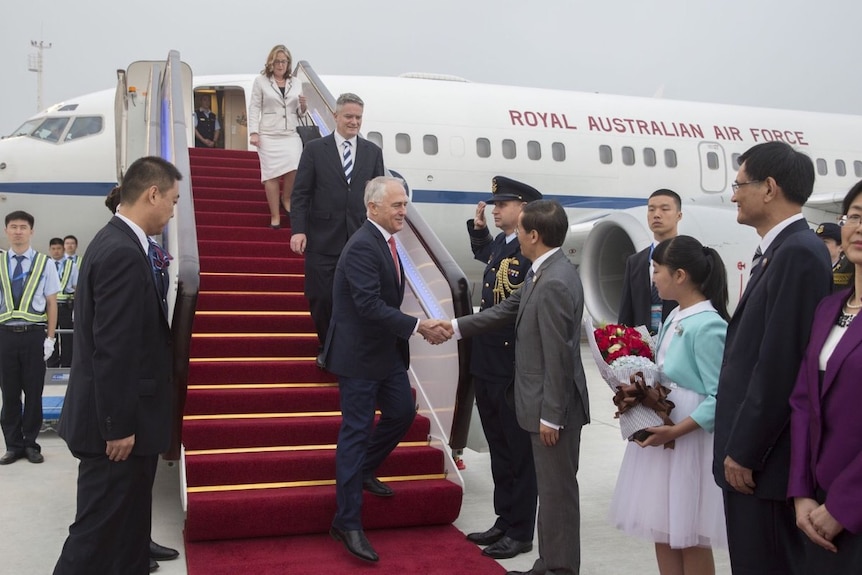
38, 503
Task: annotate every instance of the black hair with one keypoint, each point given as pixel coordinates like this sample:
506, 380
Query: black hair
793, 171
851, 195
112, 200
548, 218
19, 215
144, 173
671, 194
55, 242
702, 264
70, 237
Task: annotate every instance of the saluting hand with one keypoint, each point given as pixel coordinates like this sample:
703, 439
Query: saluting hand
479, 222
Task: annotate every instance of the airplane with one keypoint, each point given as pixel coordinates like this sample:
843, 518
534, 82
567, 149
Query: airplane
599, 155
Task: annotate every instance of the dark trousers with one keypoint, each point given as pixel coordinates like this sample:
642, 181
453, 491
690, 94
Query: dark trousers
62, 356
111, 532
762, 536
559, 503
319, 277
360, 450
22, 371
511, 461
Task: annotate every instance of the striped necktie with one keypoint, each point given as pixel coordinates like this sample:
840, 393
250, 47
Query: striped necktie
756, 259
347, 161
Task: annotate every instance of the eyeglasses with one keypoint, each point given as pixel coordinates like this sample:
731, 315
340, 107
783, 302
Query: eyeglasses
736, 185
853, 219
279, 61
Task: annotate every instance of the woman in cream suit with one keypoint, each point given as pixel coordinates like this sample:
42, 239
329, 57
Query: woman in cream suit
667, 495
276, 99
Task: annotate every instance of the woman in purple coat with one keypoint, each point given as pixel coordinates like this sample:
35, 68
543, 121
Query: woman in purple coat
826, 421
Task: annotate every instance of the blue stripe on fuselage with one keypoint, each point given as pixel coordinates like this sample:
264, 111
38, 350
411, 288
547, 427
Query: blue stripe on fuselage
100, 189
472, 198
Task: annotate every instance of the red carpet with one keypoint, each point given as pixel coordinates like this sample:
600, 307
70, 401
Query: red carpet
418, 551
261, 420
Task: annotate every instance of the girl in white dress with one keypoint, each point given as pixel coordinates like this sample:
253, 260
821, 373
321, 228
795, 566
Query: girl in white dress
668, 495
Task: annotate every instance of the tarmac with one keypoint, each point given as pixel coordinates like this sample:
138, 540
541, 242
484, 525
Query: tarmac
38, 502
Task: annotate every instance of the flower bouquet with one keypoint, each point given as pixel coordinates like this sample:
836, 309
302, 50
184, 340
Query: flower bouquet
624, 356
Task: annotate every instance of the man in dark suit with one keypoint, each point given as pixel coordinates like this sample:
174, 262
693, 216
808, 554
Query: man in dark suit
116, 415
327, 205
766, 339
492, 366
640, 303
550, 389
367, 348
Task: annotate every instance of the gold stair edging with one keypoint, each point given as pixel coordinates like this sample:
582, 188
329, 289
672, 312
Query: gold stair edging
310, 483
280, 448
229, 312
240, 335
322, 384
218, 416
230, 292
255, 274
247, 359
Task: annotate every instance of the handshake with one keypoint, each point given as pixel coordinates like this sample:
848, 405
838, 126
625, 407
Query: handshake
436, 331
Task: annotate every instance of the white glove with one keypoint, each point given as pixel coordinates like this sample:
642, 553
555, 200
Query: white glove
48, 347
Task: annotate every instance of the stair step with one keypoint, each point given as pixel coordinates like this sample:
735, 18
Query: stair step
275, 430
276, 248
254, 345
299, 510
247, 171
304, 465
251, 301
226, 220
222, 399
206, 371
253, 264
253, 322
252, 282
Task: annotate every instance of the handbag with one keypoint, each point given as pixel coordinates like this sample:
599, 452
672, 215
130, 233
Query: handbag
306, 129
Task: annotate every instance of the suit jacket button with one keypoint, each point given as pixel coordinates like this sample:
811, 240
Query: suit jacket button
487, 284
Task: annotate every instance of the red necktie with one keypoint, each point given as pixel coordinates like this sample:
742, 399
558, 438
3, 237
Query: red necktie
395, 257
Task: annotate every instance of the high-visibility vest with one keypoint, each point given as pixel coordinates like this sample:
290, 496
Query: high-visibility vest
25, 310
64, 281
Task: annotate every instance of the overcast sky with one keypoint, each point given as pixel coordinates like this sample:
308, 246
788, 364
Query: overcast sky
797, 54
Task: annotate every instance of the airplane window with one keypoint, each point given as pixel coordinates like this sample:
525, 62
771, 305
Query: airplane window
483, 147
429, 144
84, 126
734, 159
376, 138
606, 155
51, 129
628, 156
821, 167
670, 158
649, 157
26, 129
840, 168
402, 143
857, 168
534, 150
712, 160
558, 151
509, 149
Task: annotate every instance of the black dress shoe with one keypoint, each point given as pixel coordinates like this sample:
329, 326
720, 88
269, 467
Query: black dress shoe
154, 565
10, 457
376, 487
506, 548
162, 553
33, 455
355, 542
488, 537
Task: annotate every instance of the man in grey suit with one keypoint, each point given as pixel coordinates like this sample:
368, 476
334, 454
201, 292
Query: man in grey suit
550, 391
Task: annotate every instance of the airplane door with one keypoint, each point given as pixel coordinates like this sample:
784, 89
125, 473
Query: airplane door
713, 169
235, 127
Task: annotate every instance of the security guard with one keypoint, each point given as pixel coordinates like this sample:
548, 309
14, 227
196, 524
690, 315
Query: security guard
28, 318
493, 369
842, 269
67, 269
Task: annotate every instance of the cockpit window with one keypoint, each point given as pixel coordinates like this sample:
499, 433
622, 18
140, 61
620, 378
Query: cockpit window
26, 129
48, 129
84, 126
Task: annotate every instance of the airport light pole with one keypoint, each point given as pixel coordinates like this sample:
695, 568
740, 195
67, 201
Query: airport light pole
35, 65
